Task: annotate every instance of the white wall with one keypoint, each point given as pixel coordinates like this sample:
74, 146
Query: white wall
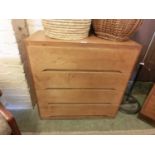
34, 25
12, 78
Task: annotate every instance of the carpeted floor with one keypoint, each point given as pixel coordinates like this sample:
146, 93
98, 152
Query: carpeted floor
30, 123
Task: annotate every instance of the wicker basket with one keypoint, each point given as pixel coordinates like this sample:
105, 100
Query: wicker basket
115, 29
67, 29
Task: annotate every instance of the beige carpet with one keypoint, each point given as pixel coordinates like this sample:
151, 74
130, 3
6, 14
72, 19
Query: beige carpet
30, 123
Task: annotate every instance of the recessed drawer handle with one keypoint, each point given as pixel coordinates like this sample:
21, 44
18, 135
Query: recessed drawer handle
81, 88
77, 116
83, 70
72, 104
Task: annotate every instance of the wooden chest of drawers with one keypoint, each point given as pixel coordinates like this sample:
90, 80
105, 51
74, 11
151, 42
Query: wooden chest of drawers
148, 109
79, 78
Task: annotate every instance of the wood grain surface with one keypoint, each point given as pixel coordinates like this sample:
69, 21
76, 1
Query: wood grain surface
80, 78
148, 109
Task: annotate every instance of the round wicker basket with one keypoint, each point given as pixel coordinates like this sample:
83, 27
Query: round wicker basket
115, 29
67, 29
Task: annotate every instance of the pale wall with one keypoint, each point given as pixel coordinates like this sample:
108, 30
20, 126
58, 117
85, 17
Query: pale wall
12, 78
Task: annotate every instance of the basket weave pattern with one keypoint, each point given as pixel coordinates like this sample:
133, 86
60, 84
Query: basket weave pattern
116, 29
67, 29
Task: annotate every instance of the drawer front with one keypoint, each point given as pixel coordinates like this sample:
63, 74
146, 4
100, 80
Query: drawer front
44, 58
78, 110
66, 79
78, 96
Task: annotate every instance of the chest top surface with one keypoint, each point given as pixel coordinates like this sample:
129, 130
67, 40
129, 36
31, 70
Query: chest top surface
38, 38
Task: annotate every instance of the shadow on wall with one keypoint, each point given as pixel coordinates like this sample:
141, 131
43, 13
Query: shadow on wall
144, 36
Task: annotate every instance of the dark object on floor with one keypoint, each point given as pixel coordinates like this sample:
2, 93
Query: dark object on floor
130, 105
147, 120
8, 122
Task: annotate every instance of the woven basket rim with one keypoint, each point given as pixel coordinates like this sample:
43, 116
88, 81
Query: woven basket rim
66, 24
108, 36
68, 20
68, 30
67, 37
67, 27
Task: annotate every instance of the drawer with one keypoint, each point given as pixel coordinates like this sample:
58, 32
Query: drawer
78, 96
44, 58
78, 110
75, 79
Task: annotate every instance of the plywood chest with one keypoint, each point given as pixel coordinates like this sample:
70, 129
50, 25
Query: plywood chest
148, 108
79, 78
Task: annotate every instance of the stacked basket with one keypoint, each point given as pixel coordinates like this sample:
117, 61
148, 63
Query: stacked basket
116, 29
75, 29
67, 29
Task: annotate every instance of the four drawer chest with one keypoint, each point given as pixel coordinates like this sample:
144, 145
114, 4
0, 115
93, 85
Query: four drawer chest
79, 78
